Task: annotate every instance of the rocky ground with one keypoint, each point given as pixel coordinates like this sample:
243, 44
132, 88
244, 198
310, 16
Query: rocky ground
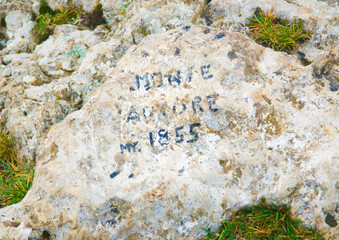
266, 121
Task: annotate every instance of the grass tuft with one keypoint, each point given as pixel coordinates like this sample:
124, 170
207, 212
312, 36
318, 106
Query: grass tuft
16, 177
15, 181
276, 33
7, 149
48, 19
264, 221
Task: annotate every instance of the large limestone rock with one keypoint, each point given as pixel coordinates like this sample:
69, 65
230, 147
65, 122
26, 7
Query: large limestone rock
39, 89
191, 124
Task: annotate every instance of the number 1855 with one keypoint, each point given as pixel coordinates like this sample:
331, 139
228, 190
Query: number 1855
163, 138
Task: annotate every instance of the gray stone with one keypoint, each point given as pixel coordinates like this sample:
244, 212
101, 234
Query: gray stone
19, 25
191, 124
330, 220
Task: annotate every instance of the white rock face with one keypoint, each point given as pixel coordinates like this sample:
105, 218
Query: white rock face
143, 18
42, 88
19, 26
191, 124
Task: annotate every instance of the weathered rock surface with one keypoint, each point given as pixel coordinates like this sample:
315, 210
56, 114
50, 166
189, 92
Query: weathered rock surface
41, 88
69, 58
142, 17
191, 124
16, 36
61, 56
268, 125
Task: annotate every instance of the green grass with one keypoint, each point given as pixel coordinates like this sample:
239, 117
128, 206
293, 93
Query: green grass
277, 33
264, 221
7, 148
15, 181
48, 19
16, 177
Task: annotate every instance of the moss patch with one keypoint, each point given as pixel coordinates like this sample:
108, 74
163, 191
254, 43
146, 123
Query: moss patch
264, 221
94, 18
268, 121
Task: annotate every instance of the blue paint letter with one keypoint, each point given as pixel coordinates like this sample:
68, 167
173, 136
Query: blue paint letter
154, 76
133, 115
205, 71
143, 78
163, 137
195, 103
129, 147
211, 100
183, 106
176, 79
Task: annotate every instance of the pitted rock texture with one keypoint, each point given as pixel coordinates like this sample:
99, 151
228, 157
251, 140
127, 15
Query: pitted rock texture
141, 17
16, 25
24, 64
41, 88
192, 124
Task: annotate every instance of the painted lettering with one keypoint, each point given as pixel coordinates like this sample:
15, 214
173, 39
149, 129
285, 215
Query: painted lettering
193, 133
133, 115
178, 135
151, 140
157, 79
211, 100
172, 78
163, 137
150, 115
143, 78
195, 103
190, 74
205, 71
129, 147
182, 106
